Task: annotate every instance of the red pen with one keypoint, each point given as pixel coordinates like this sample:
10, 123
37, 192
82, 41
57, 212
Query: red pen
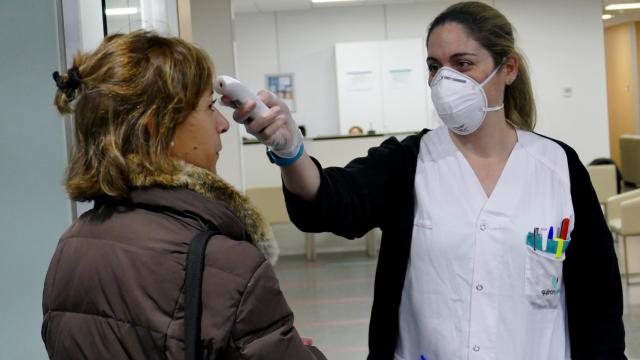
564, 229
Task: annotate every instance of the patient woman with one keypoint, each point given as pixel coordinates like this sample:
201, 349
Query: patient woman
146, 144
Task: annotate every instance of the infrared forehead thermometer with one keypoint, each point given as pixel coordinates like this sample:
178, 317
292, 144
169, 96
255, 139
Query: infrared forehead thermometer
239, 94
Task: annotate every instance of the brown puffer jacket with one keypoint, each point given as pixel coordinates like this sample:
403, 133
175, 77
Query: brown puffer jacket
114, 286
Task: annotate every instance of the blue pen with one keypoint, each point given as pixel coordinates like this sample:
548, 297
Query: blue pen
422, 357
550, 237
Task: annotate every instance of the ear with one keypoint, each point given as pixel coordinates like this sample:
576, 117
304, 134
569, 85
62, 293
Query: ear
510, 66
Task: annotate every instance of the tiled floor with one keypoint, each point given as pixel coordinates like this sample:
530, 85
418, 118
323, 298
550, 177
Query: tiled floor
632, 319
331, 299
632, 326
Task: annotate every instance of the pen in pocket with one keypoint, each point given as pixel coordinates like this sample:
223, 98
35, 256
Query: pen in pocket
564, 229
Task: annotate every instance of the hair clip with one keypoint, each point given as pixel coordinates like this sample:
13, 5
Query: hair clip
72, 83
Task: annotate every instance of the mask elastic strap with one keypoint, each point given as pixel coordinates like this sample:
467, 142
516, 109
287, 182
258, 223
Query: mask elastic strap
495, 71
495, 108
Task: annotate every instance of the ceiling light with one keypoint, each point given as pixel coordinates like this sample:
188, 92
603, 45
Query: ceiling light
121, 11
622, 6
606, 16
332, 1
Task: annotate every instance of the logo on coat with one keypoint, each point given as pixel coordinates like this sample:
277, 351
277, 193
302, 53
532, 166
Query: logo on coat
555, 287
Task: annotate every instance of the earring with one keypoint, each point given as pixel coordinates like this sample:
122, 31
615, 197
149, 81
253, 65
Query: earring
173, 143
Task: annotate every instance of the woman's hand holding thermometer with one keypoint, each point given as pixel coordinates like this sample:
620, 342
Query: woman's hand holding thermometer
239, 94
265, 116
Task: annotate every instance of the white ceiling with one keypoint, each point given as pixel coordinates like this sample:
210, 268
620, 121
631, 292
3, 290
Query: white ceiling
620, 16
249, 6
285, 5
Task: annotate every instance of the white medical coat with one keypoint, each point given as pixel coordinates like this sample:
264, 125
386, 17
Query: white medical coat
474, 290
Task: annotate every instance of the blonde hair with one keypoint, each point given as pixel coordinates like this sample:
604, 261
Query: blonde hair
128, 81
494, 32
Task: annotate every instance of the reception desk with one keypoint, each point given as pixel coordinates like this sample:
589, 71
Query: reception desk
329, 150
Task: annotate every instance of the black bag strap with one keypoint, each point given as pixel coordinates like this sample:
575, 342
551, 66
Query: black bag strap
193, 293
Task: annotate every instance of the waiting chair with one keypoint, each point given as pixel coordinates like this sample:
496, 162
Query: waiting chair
270, 202
603, 178
630, 159
623, 217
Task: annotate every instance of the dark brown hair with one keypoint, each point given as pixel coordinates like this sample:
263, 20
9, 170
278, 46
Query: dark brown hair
491, 29
126, 82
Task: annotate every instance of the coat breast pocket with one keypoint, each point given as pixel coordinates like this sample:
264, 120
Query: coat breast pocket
543, 283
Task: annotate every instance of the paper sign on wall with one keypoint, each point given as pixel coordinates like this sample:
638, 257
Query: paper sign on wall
359, 80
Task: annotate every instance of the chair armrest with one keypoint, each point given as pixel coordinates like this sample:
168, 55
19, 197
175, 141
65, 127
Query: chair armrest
630, 216
614, 202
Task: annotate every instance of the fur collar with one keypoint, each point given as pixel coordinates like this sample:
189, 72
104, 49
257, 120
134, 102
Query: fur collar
209, 185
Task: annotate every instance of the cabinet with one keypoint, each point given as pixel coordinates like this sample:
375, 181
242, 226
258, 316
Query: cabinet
382, 86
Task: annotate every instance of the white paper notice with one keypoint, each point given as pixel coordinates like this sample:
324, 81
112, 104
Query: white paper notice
400, 79
360, 80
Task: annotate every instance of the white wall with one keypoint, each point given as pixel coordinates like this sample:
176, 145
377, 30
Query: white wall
305, 40
563, 41
212, 29
35, 209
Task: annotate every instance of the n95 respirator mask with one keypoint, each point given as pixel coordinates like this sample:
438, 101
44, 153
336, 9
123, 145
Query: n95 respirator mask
460, 101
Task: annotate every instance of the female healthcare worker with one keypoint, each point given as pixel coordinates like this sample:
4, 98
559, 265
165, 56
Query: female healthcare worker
469, 267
